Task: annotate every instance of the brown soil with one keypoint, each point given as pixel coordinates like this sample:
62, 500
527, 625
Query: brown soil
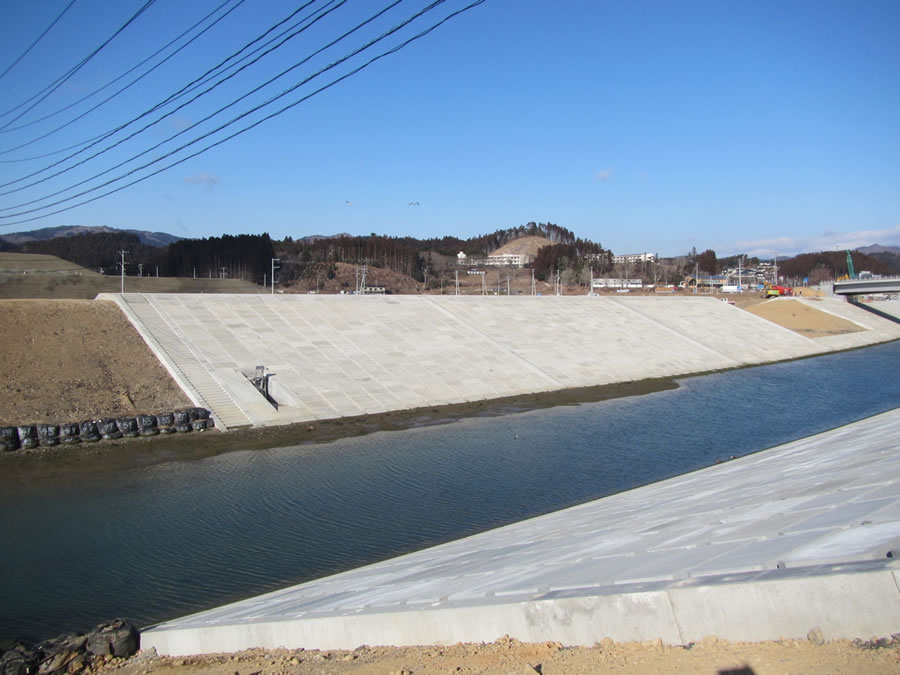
68, 360
802, 318
506, 656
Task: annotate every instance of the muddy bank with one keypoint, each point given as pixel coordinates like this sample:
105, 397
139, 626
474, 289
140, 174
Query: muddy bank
135, 452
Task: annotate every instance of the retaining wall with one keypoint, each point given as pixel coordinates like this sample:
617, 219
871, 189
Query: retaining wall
338, 356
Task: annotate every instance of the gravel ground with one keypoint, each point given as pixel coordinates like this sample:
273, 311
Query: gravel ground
507, 656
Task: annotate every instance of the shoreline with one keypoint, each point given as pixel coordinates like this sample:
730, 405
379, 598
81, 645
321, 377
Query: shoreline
139, 452
129, 453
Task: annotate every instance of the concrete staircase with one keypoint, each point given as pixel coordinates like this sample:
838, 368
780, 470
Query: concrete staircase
184, 365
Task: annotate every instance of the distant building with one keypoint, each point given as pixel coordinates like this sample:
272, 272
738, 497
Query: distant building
632, 258
617, 283
504, 259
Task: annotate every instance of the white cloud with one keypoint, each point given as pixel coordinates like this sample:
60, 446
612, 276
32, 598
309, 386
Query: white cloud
206, 179
603, 175
827, 241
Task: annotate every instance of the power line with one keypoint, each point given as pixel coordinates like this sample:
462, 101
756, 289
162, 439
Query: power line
187, 88
49, 89
343, 77
172, 97
127, 72
38, 39
322, 13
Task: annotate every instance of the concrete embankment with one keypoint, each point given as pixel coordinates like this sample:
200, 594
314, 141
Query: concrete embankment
796, 540
342, 356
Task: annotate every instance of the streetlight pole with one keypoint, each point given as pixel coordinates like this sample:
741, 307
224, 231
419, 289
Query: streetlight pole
123, 252
274, 260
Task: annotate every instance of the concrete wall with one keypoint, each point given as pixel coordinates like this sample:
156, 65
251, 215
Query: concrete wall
337, 356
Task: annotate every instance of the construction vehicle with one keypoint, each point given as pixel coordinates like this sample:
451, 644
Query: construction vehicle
776, 290
851, 271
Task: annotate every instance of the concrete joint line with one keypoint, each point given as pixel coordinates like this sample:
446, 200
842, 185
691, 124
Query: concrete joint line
674, 331
153, 306
472, 328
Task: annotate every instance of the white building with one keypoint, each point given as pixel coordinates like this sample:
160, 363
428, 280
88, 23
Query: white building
632, 258
617, 283
504, 259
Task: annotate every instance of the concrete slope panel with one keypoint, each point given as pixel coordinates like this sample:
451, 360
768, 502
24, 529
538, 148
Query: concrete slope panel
723, 328
585, 341
339, 356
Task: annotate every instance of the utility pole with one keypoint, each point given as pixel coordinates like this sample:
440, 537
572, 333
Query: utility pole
122, 253
776, 268
456, 273
696, 278
274, 267
533, 288
507, 285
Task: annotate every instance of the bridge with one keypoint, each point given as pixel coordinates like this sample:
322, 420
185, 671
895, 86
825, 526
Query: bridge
865, 286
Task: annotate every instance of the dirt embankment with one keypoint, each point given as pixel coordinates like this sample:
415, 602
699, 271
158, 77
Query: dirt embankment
68, 360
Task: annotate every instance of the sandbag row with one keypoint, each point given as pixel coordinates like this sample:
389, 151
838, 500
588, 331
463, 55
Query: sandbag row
28, 436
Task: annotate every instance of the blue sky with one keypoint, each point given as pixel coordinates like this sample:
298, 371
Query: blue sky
743, 126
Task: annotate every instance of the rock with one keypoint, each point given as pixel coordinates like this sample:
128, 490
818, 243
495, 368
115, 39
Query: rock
114, 638
56, 663
815, 636
19, 660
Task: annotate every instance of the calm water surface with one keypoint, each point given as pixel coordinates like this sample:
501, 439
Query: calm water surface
159, 542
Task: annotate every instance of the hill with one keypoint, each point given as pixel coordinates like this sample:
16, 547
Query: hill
30, 275
878, 248
156, 239
526, 245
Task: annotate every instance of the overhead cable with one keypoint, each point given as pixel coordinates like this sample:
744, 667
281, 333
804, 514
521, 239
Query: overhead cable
38, 39
322, 13
172, 97
127, 72
249, 127
49, 89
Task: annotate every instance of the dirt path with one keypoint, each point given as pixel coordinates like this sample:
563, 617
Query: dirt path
507, 656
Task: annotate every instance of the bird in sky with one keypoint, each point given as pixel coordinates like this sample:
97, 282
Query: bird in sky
348, 203
414, 203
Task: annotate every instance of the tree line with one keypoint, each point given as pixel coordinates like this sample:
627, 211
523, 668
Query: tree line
243, 256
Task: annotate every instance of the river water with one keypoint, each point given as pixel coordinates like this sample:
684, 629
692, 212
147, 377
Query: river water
158, 542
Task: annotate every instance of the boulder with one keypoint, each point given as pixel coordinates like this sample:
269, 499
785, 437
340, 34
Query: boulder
114, 638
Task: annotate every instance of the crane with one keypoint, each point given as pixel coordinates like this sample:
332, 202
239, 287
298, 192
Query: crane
850, 271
